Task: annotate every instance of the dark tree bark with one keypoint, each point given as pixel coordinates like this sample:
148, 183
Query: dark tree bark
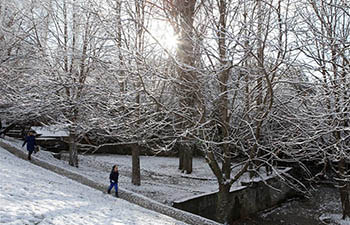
183, 15
73, 150
181, 159
223, 210
136, 174
185, 158
344, 190
188, 157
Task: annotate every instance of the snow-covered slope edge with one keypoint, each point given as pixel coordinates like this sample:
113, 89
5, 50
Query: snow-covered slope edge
124, 194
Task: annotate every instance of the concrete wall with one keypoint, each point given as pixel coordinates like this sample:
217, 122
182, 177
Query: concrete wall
252, 198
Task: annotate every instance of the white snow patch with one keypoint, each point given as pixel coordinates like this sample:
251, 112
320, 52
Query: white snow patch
31, 195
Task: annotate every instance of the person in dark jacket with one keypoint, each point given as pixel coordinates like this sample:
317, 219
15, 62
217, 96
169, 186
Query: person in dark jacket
113, 178
31, 144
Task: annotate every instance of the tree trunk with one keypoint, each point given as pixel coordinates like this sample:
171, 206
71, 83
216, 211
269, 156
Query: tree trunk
344, 191
136, 175
185, 158
224, 204
344, 197
181, 158
188, 160
188, 89
73, 150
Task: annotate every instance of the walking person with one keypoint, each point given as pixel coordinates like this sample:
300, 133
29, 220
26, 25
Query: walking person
113, 178
31, 144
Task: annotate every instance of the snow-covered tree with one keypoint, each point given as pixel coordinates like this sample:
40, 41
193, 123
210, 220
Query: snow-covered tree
61, 87
324, 38
231, 87
235, 54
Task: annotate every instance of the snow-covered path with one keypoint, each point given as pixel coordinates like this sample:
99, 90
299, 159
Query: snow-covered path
31, 195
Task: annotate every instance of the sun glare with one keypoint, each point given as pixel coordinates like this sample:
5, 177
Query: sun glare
169, 41
165, 36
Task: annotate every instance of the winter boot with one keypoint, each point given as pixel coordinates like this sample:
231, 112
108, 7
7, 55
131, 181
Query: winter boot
108, 191
116, 194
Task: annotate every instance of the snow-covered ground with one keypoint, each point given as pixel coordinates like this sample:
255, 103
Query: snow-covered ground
35, 194
32, 195
160, 178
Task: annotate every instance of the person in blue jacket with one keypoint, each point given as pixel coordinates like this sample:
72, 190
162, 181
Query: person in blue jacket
113, 178
31, 144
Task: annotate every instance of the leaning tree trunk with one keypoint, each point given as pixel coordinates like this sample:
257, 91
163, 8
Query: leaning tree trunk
136, 174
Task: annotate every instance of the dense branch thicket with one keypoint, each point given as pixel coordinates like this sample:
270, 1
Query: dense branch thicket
249, 83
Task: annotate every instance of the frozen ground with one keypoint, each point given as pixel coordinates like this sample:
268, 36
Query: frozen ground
32, 195
163, 182
160, 178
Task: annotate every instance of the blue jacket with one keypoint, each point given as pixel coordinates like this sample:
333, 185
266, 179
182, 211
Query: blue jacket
30, 141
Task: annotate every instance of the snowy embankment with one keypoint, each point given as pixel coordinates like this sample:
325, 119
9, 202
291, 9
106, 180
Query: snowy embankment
32, 195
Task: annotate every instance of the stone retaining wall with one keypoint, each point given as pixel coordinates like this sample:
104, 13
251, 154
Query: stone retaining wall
254, 197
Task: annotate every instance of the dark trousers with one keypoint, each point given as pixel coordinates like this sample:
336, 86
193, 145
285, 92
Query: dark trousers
29, 154
115, 185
